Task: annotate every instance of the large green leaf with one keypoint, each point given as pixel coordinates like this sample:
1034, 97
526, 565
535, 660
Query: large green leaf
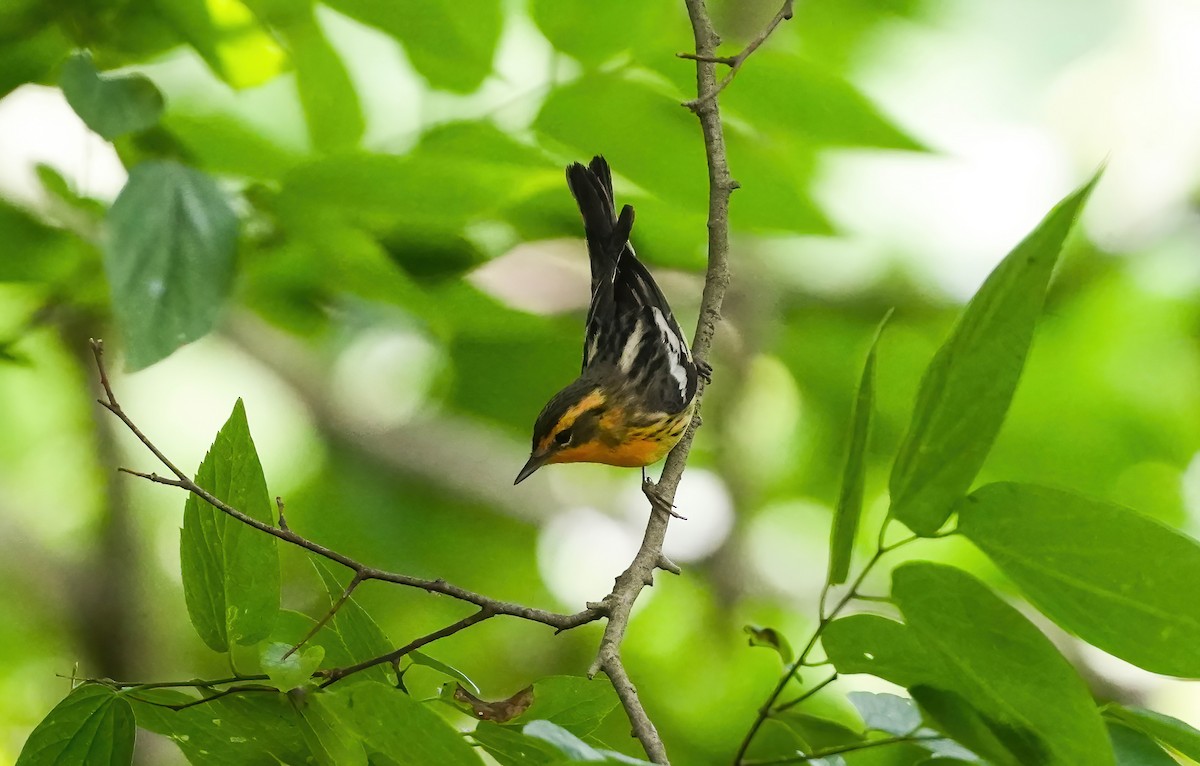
247, 729
1117, 579
868, 643
956, 717
613, 27
574, 703
330, 103
408, 733
1027, 693
849, 507
797, 97
111, 105
966, 390
510, 747
332, 742
451, 44
169, 258
230, 570
93, 726
1170, 731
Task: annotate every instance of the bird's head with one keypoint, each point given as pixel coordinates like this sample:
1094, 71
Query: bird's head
568, 427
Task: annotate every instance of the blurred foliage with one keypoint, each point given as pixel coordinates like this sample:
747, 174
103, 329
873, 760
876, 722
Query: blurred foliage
322, 231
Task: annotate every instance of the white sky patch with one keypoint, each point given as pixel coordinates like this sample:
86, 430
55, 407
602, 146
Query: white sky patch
676, 346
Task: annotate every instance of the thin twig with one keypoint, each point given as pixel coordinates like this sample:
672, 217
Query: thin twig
840, 749
793, 703
362, 572
329, 613
733, 62
337, 674
767, 707
205, 700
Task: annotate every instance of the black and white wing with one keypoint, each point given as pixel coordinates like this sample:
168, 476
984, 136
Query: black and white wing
629, 324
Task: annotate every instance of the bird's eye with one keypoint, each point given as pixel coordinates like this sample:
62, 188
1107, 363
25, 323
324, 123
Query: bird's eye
563, 437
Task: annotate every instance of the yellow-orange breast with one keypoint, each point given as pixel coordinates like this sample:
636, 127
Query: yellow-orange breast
633, 446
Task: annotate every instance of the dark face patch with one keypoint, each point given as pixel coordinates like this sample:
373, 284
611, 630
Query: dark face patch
571, 417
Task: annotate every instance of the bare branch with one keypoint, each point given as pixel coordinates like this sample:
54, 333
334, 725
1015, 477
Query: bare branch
733, 62
337, 674
333, 609
840, 749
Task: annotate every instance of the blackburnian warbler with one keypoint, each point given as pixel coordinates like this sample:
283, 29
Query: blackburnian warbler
636, 394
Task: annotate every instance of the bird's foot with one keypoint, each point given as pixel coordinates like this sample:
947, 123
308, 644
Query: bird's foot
657, 501
704, 370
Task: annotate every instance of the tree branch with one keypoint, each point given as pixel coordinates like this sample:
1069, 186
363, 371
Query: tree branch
362, 572
734, 63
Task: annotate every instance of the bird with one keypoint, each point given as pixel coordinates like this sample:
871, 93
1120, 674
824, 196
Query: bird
636, 393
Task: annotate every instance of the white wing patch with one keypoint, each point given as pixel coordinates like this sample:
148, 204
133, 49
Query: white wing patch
632, 346
678, 350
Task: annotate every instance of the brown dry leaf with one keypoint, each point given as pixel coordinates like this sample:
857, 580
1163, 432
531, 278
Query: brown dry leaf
500, 711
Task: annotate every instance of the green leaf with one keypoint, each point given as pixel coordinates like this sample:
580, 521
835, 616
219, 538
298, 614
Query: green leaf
93, 726
576, 704
566, 742
35, 252
1133, 748
994, 657
228, 37
450, 44
169, 258
327, 95
818, 733
402, 729
867, 643
360, 634
111, 105
295, 669
613, 27
230, 570
850, 500
796, 97
1117, 579
956, 717
966, 390
512, 748
332, 743
886, 712
420, 658
237, 730
771, 639
1170, 731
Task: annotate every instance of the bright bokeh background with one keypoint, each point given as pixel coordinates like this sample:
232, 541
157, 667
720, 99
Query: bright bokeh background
390, 379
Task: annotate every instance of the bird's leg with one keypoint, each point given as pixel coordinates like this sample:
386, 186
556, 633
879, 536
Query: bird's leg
704, 370
650, 490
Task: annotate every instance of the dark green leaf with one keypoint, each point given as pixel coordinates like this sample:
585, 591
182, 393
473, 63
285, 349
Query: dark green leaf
966, 390
850, 500
360, 634
613, 27
771, 639
291, 671
93, 726
867, 643
169, 258
797, 97
1170, 731
248, 729
1133, 748
31, 57
512, 748
35, 252
332, 742
1117, 579
111, 105
956, 717
576, 704
451, 44
998, 660
402, 729
230, 570
886, 712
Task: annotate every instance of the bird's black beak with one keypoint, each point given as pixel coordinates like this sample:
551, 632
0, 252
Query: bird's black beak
536, 461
